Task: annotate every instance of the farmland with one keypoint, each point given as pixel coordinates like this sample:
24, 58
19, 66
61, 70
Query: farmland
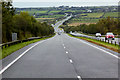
52, 16
81, 15
91, 15
93, 18
56, 11
112, 14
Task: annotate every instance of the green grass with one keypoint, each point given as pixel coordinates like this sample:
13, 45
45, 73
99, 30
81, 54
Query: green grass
92, 15
84, 20
96, 15
111, 14
7, 51
36, 11
52, 16
69, 11
99, 42
55, 11
87, 18
44, 18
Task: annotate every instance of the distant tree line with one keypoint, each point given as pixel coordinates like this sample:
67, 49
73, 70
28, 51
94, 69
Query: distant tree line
103, 26
23, 24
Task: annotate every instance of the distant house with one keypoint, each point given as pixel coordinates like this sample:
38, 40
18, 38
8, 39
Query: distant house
34, 15
89, 11
114, 9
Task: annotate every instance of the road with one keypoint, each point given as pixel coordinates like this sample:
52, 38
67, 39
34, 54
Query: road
60, 23
63, 57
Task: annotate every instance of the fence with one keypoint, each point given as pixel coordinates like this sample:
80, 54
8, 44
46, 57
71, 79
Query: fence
95, 38
5, 45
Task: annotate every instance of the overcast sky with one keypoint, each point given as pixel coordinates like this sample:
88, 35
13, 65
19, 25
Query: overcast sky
48, 3
66, 0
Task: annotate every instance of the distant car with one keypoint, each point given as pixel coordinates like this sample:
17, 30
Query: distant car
59, 33
109, 35
98, 35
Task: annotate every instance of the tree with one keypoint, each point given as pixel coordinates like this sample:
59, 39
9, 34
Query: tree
7, 16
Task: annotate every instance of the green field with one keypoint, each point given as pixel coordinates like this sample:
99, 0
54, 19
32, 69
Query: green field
87, 18
85, 21
69, 11
111, 14
92, 15
55, 11
95, 15
52, 16
36, 12
49, 20
81, 15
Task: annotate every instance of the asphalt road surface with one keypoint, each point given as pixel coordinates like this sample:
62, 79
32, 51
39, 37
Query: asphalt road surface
63, 57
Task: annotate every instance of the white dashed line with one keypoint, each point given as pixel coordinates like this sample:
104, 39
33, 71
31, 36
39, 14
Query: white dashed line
66, 52
64, 47
71, 61
78, 77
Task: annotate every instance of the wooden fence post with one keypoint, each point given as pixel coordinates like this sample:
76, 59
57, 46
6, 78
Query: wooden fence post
111, 42
115, 43
108, 41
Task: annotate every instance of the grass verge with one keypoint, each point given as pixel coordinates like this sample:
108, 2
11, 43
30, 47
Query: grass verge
100, 43
9, 50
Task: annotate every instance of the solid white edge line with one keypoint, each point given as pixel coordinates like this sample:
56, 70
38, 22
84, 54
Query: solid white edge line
98, 48
101, 50
10, 64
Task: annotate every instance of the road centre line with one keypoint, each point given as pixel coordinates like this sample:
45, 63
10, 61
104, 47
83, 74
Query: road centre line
79, 77
66, 52
71, 61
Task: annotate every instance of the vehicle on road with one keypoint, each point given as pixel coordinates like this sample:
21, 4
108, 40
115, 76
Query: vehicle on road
109, 35
98, 35
59, 33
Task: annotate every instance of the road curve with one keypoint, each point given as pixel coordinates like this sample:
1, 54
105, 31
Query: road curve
62, 57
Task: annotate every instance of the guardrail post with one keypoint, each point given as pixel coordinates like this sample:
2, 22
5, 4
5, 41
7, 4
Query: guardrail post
119, 44
111, 42
115, 43
5, 45
103, 40
108, 41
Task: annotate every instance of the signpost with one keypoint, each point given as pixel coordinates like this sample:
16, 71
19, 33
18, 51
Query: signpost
14, 36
